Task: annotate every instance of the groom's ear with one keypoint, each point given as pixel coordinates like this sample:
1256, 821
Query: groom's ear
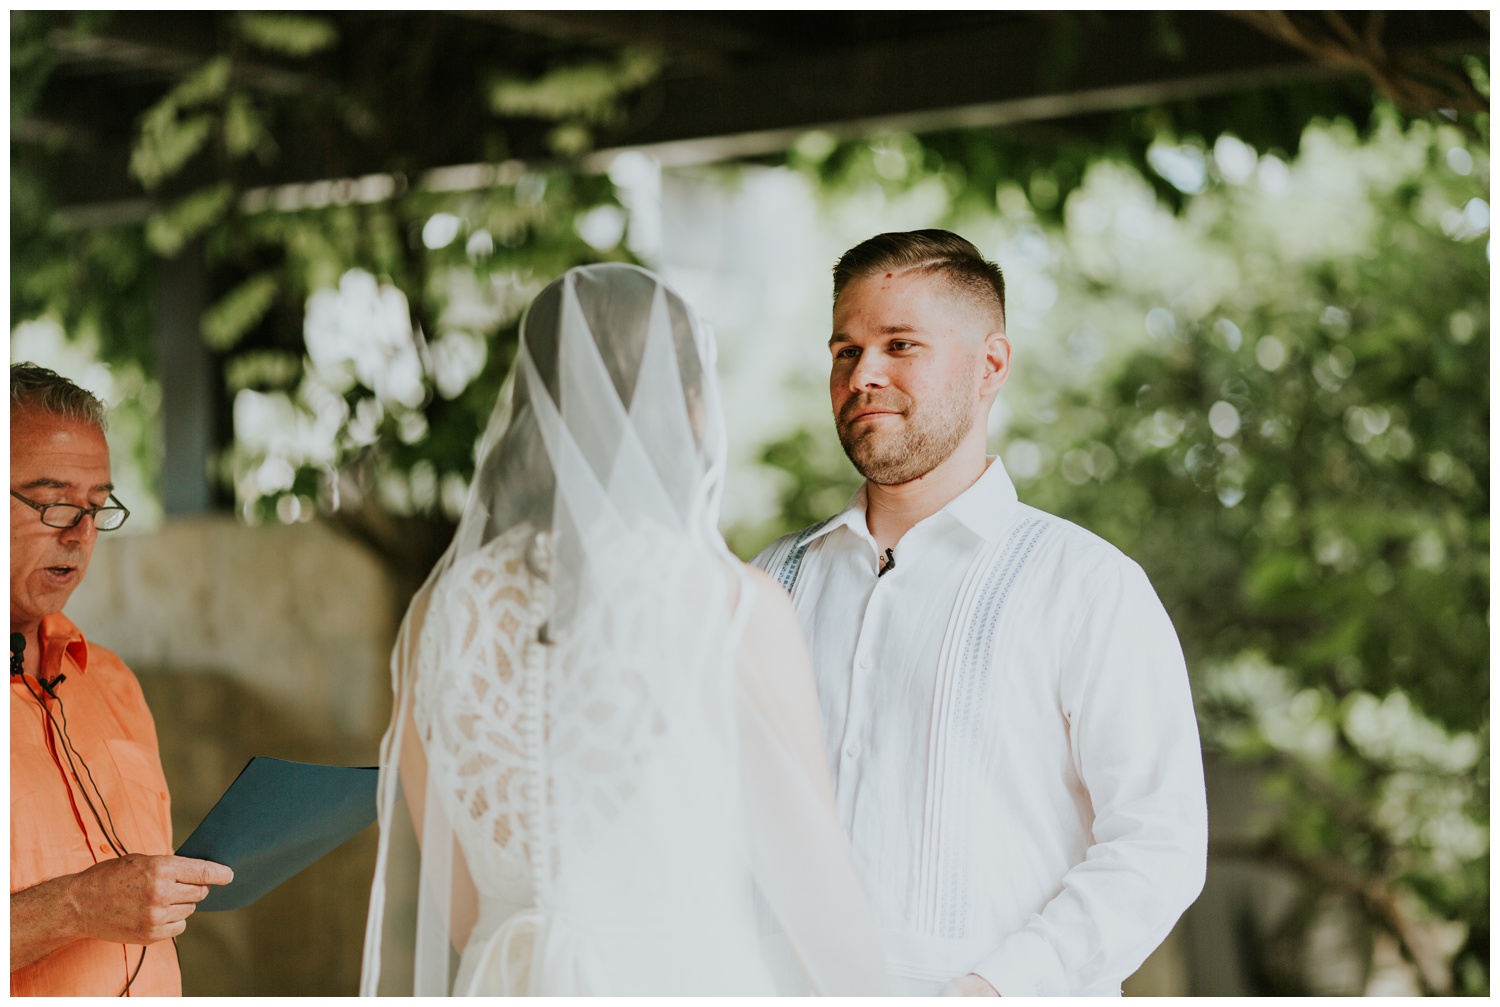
996, 362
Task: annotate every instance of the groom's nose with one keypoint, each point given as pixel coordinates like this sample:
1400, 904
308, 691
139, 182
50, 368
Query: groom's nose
869, 371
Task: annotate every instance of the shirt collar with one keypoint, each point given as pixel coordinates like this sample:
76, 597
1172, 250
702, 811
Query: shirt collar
58, 636
984, 508
852, 516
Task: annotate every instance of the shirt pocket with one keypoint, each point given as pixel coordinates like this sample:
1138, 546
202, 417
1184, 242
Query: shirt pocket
146, 796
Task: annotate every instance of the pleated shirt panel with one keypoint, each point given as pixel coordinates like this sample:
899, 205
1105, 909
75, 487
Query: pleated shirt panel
964, 693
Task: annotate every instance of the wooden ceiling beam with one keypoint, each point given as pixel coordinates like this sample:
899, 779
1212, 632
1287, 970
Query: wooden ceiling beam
755, 99
681, 34
996, 76
141, 49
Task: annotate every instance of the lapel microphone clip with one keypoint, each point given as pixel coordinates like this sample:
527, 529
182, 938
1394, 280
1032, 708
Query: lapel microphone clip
18, 665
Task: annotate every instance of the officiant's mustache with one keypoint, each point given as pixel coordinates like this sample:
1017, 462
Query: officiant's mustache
67, 556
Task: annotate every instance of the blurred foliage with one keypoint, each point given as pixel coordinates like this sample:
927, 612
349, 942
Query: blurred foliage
1377, 803
89, 284
576, 97
1270, 386
1048, 161
443, 275
288, 34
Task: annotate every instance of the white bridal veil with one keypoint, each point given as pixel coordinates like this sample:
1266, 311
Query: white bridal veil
609, 779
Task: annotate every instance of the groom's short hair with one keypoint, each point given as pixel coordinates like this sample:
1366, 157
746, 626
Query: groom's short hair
931, 251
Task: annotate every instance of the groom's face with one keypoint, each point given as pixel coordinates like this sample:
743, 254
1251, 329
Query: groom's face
908, 373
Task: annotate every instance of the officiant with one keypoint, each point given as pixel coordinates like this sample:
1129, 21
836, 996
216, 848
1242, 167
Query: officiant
96, 894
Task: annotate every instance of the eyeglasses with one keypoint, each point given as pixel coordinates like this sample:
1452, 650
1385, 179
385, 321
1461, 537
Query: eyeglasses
106, 518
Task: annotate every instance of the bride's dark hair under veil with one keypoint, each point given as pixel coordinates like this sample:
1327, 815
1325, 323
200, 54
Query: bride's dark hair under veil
593, 786
518, 467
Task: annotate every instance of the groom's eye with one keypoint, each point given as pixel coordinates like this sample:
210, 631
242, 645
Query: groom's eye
846, 353
900, 345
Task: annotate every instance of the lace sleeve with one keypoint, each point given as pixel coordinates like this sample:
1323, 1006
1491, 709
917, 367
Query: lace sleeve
802, 859
468, 702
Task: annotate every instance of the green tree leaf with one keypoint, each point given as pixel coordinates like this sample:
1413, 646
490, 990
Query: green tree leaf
238, 311
288, 34
168, 231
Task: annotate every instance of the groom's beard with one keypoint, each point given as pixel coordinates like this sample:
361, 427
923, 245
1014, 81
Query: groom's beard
922, 438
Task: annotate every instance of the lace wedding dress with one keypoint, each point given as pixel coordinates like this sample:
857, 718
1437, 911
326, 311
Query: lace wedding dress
605, 727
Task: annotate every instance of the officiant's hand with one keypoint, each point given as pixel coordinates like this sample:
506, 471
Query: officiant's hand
138, 899
133, 899
970, 985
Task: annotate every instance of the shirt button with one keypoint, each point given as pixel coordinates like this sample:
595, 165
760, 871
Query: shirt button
103, 848
852, 749
864, 662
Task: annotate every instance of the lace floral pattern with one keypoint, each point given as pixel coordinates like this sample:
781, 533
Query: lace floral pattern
470, 708
503, 710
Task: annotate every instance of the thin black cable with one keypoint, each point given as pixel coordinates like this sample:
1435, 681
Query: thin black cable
139, 962
114, 837
142, 960
115, 842
111, 834
119, 852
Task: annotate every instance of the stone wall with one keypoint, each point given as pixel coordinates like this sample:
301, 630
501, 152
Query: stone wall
256, 641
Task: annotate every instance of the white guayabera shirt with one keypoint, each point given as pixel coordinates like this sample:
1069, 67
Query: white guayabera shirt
1016, 758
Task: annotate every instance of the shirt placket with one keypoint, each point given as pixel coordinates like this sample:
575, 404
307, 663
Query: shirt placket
854, 747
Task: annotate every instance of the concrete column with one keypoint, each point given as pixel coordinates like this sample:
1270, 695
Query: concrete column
189, 381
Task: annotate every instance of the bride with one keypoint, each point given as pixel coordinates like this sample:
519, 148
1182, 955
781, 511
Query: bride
605, 725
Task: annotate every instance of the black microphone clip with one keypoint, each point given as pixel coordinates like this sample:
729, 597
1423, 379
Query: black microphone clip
888, 563
18, 665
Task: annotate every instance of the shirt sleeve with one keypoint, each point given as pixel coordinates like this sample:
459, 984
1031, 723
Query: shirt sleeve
1134, 738
768, 558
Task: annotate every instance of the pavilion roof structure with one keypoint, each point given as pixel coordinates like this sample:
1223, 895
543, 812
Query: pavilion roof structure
411, 86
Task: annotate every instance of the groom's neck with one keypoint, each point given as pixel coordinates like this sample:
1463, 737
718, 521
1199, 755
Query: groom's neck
892, 511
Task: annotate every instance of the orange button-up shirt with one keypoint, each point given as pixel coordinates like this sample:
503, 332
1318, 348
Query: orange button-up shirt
52, 830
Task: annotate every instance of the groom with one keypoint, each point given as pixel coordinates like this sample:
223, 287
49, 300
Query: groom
1005, 704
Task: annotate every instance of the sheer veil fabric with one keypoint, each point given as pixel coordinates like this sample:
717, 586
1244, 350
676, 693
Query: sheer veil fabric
614, 786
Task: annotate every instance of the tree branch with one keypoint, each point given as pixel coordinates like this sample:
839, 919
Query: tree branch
1417, 84
1378, 899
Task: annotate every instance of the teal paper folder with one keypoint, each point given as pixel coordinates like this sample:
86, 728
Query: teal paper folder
275, 820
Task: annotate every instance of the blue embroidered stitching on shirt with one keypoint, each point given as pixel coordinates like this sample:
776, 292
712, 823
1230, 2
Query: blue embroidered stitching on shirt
786, 575
973, 676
